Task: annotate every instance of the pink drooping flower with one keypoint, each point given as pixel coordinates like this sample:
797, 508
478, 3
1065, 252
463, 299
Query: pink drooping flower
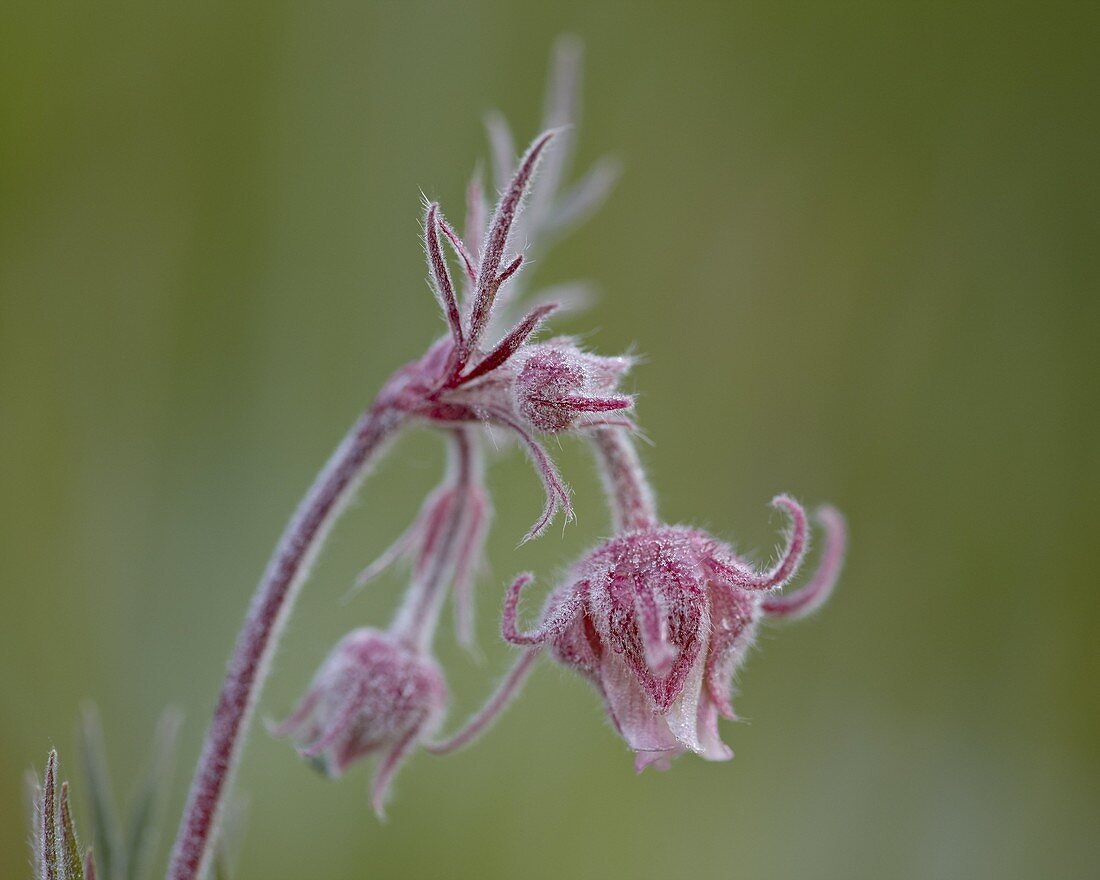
373, 694
659, 618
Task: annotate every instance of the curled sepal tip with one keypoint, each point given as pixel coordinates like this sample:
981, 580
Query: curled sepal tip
808, 598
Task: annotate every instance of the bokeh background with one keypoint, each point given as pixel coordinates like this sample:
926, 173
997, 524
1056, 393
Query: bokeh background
857, 244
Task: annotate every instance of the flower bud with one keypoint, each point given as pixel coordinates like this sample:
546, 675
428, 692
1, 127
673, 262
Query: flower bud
557, 384
372, 694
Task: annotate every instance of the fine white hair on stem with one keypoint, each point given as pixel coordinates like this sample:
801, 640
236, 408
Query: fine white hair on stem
484, 718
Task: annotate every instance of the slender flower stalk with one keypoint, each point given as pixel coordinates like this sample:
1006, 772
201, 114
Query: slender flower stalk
418, 616
480, 722
629, 495
271, 605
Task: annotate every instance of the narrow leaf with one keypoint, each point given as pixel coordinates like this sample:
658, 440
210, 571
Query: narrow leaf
511, 342
441, 276
503, 149
562, 110
460, 248
493, 250
34, 801
557, 493
582, 200
105, 826
70, 849
47, 819
399, 548
510, 270
149, 801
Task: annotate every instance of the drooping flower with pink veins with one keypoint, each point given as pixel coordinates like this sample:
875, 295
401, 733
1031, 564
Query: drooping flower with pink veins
659, 618
384, 692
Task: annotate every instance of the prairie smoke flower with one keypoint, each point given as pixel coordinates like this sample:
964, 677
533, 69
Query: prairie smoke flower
373, 694
659, 618
383, 691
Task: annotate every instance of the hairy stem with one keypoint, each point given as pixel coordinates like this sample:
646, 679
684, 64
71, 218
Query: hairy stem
270, 607
418, 617
628, 491
492, 710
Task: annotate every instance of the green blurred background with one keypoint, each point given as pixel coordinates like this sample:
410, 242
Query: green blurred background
857, 244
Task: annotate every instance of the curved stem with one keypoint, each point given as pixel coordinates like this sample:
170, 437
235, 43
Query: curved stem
628, 491
489, 713
418, 617
256, 642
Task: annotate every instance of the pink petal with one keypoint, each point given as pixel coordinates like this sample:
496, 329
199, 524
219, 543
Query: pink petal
632, 709
713, 749
683, 715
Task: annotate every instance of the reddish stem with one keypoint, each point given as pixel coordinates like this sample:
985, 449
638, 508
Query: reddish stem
492, 710
628, 491
418, 616
256, 642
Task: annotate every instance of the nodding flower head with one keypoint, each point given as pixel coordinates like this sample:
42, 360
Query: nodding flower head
372, 694
559, 387
660, 618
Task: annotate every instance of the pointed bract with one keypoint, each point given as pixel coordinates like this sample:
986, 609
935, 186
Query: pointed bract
105, 822
57, 853
440, 274
49, 839
488, 280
